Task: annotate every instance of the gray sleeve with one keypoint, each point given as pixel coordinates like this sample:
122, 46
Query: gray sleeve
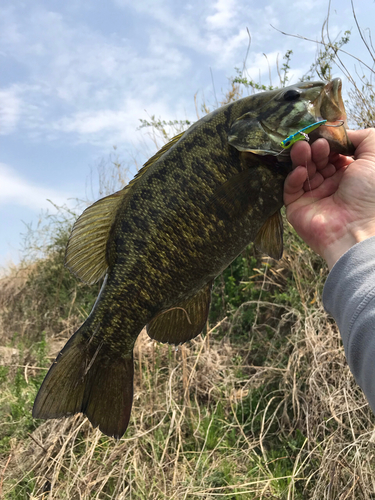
349, 296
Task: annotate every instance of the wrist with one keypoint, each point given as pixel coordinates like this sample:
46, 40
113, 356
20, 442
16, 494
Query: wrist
335, 250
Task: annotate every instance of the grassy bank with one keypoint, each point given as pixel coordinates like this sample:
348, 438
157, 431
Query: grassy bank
262, 405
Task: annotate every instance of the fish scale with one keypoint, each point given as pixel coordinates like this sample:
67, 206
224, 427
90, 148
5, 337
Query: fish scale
161, 241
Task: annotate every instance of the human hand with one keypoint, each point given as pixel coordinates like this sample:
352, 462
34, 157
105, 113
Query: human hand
330, 198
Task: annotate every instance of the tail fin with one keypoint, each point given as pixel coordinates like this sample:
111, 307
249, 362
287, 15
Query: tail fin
91, 381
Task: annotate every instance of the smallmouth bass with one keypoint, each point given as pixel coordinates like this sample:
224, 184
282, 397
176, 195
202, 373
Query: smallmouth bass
161, 241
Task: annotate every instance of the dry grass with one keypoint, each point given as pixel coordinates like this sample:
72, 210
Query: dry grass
13, 282
211, 421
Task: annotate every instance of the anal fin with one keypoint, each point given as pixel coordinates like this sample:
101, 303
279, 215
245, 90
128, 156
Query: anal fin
184, 321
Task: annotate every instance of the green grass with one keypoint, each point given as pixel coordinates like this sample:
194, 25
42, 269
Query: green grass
250, 410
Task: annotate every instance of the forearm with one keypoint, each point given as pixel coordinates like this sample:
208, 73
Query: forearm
349, 296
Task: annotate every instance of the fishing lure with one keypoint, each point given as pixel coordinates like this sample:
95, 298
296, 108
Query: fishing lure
301, 134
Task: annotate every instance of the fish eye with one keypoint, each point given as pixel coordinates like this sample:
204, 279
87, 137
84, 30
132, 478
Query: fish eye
287, 143
291, 95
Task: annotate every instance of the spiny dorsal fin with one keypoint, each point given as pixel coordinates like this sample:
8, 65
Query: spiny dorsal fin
161, 151
269, 239
86, 250
184, 321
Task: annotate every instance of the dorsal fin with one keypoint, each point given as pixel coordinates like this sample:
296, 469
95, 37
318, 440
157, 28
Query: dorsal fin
85, 254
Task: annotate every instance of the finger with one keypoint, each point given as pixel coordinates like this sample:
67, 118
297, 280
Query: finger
358, 136
320, 153
364, 142
328, 171
329, 186
340, 161
293, 186
314, 183
301, 155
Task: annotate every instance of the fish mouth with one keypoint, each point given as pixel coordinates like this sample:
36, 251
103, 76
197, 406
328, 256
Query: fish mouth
329, 106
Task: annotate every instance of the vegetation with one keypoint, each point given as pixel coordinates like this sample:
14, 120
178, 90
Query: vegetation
262, 405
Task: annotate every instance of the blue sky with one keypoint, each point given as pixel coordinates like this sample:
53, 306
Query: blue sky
76, 78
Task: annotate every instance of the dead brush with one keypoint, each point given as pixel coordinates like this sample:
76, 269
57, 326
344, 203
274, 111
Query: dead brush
13, 281
274, 414
11, 288
210, 422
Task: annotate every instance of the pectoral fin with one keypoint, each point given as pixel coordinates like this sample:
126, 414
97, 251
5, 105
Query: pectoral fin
269, 239
233, 198
184, 321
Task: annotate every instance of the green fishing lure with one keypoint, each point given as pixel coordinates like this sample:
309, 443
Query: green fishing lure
300, 135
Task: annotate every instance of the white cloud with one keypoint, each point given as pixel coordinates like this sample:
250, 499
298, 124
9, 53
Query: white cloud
119, 127
94, 85
80, 81
209, 28
223, 17
235, 46
103, 126
10, 110
16, 190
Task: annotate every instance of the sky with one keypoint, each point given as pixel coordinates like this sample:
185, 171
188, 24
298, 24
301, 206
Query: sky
76, 77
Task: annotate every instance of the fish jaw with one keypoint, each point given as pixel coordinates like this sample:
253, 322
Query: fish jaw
330, 106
